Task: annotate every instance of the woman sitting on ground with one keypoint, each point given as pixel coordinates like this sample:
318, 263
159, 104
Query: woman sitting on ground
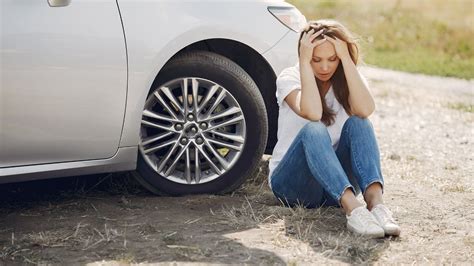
326, 151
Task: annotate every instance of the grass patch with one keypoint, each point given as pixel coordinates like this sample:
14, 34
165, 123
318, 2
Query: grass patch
323, 229
430, 37
463, 107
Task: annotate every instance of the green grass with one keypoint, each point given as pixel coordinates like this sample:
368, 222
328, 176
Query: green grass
463, 107
432, 37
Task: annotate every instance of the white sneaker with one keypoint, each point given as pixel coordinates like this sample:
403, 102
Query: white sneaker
362, 222
384, 217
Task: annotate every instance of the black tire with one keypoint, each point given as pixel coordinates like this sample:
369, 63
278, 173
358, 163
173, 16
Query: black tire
223, 71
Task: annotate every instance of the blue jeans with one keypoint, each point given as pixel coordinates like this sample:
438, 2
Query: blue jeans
312, 174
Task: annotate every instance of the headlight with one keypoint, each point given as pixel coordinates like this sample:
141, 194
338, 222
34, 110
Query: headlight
289, 16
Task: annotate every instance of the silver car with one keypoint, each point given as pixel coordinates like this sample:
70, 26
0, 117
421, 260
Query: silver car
182, 92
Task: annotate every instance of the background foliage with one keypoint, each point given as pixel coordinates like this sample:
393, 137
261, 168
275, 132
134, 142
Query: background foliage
432, 37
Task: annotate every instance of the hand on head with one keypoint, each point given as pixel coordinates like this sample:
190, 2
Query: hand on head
308, 42
340, 46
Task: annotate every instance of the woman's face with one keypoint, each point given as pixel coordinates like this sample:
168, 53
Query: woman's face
325, 61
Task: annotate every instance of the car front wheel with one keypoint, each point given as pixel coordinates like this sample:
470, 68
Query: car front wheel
203, 129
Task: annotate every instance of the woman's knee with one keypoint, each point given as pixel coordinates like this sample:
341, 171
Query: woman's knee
314, 129
358, 122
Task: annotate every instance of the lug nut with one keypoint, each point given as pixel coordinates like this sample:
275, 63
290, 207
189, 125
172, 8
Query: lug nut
199, 140
178, 127
184, 141
190, 117
194, 130
203, 125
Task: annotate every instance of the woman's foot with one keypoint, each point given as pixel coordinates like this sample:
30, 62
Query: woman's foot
384, 217
361, 221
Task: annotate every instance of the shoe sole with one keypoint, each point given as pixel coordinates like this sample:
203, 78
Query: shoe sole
373, 235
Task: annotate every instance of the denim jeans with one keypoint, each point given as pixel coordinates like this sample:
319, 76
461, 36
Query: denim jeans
312, 174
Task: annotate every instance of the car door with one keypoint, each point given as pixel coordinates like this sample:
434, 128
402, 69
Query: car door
63, 81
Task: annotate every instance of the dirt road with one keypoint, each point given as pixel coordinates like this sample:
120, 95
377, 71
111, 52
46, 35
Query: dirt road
424, 127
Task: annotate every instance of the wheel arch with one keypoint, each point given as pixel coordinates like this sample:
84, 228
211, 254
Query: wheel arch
254, 64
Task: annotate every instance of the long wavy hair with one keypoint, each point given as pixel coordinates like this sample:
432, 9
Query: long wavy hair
338, 80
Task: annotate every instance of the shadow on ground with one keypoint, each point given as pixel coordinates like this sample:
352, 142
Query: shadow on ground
111, 218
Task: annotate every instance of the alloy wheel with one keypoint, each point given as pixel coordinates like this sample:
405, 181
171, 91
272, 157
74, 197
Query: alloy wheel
192, 130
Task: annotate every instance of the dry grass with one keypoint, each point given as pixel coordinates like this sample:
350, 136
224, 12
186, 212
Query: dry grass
464, 107
72, 197
83, 236
323, 229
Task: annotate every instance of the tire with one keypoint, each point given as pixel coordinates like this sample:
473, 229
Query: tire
240, 141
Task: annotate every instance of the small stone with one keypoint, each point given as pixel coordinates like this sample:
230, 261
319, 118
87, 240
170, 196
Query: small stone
450, 167
450, 231
394, 157
124, 200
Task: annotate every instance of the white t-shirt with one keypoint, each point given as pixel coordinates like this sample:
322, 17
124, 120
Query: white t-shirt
289, 123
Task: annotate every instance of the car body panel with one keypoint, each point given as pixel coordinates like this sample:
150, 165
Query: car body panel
124, 159
198, 21
281, 55
64, 81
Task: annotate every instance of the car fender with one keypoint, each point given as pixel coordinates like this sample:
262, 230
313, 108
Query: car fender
148, 52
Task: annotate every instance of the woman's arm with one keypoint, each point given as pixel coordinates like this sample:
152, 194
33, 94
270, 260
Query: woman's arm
308, 98
306, 102
361, 101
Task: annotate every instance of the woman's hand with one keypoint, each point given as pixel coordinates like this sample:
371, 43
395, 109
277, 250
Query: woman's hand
307, 44
340, 46
360, 100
